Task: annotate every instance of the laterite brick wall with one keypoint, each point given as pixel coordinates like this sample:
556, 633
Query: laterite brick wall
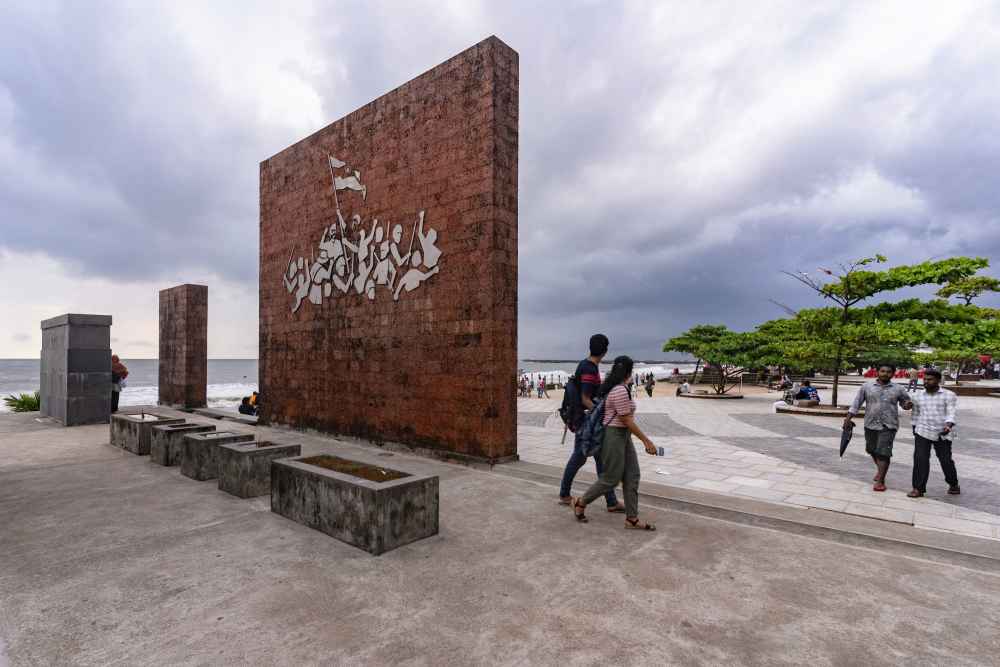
432, 364
183, 373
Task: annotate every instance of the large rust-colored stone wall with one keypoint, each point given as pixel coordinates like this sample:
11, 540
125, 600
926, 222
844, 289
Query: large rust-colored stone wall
433, 367
183, 376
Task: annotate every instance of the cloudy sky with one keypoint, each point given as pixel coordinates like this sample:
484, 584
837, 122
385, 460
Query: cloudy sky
674, 156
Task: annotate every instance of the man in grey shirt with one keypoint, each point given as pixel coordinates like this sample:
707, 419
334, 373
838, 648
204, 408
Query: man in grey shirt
882, 401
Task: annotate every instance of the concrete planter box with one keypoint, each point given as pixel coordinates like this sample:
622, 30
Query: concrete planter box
245, 468
374, 516
134, 434
166, 442
199, 453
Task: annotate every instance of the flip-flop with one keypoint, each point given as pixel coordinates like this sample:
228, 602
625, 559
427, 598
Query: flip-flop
878, 487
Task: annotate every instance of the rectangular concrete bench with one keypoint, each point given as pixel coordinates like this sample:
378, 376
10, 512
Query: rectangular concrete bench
374, 516
245, 469
199, 456
166, 442
133, 433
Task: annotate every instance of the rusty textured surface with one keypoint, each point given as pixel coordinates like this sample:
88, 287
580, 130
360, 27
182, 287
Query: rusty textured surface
183, 375
436, 368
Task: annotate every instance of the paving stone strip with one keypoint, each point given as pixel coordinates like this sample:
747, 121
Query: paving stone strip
793, 460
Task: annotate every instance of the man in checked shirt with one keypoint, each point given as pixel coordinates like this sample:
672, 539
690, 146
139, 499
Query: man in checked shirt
933, 422
882, 400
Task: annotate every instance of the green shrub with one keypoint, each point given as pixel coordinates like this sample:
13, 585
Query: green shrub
22, 402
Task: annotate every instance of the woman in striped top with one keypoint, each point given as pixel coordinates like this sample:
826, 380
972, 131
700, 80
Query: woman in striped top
617, 453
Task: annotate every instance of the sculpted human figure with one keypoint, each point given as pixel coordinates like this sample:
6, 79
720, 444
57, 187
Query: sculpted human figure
431, 252
302, 283
320, 272
414, 276
366, 258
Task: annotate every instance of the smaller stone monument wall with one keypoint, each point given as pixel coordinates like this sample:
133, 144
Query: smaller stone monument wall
183, 375
76, 369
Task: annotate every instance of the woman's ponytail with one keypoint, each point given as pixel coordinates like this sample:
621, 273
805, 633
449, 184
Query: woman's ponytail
621, 369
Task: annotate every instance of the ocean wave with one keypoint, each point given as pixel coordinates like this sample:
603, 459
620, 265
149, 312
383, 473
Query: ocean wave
219, 396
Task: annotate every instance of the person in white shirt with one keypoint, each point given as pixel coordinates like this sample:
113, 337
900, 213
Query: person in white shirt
933, 421
685, 388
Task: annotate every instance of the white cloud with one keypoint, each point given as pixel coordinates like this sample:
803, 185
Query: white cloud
47, 289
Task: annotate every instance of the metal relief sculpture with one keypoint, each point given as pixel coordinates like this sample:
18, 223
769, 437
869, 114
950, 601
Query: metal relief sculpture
358, 258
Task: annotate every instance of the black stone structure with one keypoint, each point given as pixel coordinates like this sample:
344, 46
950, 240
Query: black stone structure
76, 369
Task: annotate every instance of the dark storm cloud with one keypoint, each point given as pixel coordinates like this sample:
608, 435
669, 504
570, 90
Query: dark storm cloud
673, 158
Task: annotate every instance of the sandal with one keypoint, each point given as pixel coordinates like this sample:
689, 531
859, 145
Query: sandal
878, 487
617, 509
954, 490
566, 503
914, 494
634, 525
580, 516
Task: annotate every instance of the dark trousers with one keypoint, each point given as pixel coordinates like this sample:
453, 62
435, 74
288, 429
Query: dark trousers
114, 401
922, 462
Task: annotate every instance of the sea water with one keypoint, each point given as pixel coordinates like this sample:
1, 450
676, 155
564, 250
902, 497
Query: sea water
229, 380
558, 372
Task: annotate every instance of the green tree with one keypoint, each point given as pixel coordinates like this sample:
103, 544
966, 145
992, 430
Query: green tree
969, 288
728, 352
692, 341
839, 333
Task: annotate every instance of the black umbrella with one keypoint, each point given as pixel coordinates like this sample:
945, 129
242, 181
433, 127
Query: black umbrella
846, 438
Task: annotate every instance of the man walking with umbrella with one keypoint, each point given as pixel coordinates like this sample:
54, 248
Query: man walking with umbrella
882, 399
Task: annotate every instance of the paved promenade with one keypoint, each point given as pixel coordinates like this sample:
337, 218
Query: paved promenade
109, 559
739, 448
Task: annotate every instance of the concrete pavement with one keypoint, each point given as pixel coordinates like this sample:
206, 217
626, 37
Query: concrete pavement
109, 559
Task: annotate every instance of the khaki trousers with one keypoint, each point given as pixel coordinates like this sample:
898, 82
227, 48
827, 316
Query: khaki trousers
620, 465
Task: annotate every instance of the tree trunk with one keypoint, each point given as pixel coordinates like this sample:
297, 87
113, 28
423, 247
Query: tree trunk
694, 377
836, 378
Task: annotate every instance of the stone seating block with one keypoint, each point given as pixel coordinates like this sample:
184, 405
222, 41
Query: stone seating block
199, 453
166, 442
374, 516
133, 433
245, 467
803, 403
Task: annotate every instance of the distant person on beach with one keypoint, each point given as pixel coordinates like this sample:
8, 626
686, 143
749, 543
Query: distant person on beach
685, 388
542, 388
933, 421
118, 373
650, 383
914, 378
882, 399
621, 465
588, 383
248, 406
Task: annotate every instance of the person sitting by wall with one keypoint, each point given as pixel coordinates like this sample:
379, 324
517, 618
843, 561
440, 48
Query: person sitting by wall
684, 388
249, 405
